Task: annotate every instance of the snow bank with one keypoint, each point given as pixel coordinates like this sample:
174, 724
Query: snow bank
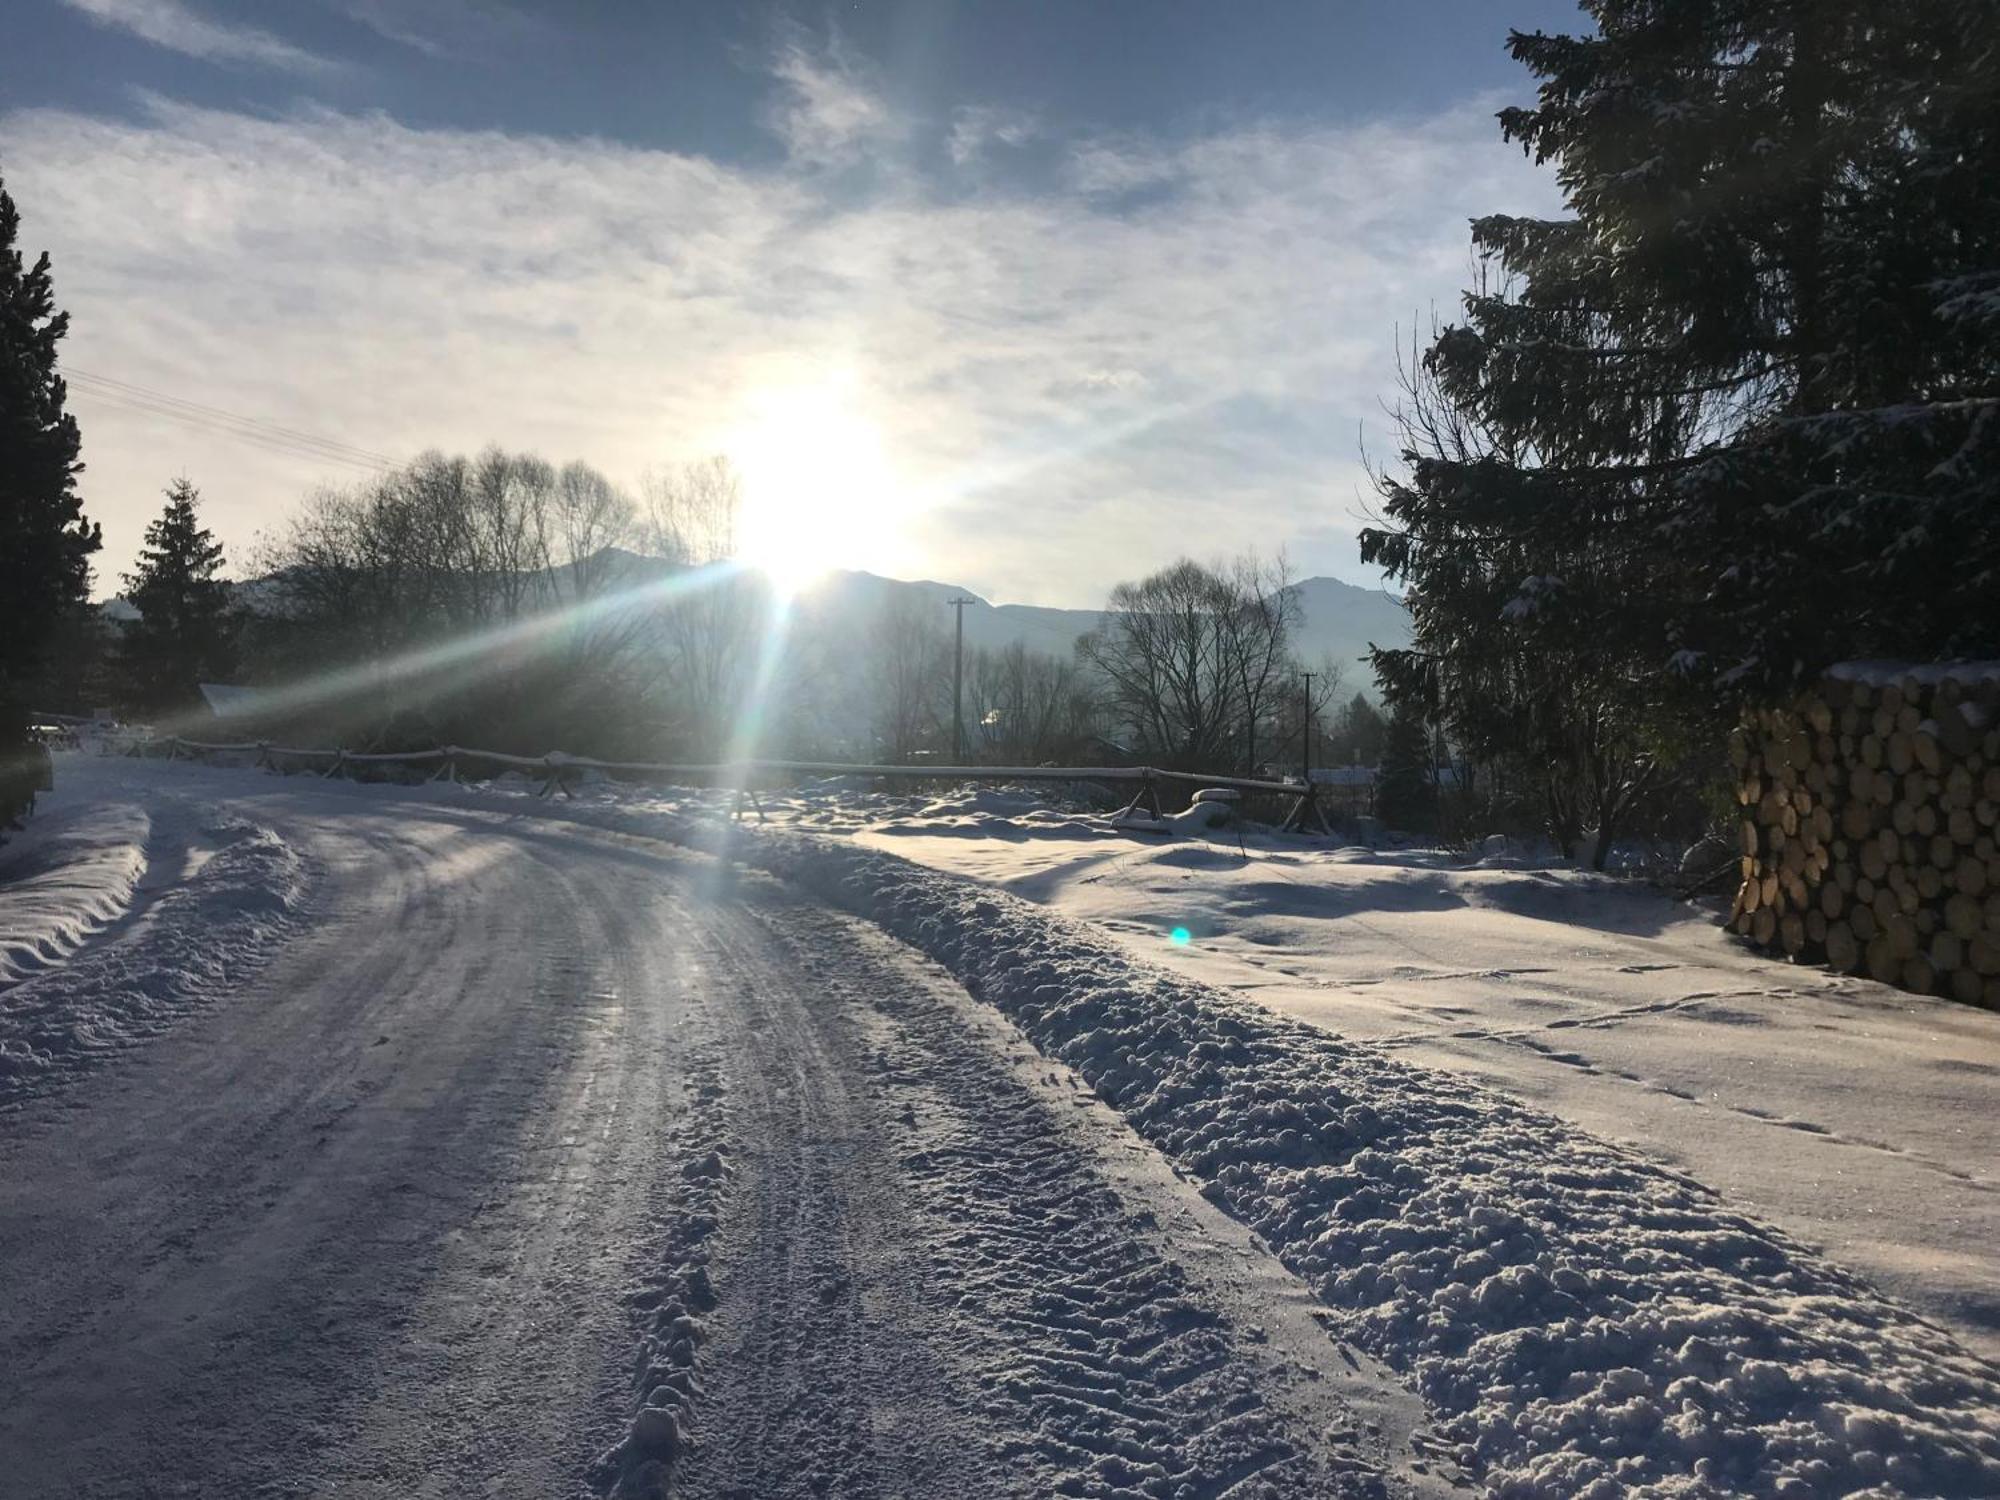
66, 878
130, 958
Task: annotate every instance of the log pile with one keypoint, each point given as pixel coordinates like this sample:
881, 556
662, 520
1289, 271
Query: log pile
1870, 813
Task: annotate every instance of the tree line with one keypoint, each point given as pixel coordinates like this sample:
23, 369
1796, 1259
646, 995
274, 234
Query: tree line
502, 601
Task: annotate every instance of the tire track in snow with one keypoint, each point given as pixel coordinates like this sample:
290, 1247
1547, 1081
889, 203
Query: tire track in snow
927, 1284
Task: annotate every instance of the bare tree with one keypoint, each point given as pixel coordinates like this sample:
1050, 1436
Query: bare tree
590, 518
910, 676
1193, 658
1031, 707
690, 511
1257, 642
429, 595
715, 618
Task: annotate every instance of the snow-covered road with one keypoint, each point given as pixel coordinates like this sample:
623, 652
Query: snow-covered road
502, 1156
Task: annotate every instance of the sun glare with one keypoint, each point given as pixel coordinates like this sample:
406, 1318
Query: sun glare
817, 490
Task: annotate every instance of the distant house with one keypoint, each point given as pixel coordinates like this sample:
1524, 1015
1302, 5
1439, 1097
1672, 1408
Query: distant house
226, 700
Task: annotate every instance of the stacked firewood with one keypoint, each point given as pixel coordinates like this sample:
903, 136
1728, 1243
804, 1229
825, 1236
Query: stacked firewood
1870, 811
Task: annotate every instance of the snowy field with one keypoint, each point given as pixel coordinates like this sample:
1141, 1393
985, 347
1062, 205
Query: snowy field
1631, 1210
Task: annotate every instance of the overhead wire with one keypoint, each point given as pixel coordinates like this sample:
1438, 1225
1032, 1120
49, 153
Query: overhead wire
268, 435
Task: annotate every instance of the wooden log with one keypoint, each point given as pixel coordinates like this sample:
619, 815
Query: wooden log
1883, 964
1927, 748
1962, 914
1982, 954
1855, 821
1842, 952
1901, 752
1874, 864
1966, 986
1918, 975
1763, 925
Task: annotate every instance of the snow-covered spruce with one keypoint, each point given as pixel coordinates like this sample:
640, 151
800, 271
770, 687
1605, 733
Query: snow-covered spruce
131, 972
1587, 1323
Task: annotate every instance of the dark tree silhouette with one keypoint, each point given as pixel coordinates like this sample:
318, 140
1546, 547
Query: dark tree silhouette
45, 541
184, 635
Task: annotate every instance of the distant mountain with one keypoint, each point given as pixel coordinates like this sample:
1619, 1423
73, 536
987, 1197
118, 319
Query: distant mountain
1338, 620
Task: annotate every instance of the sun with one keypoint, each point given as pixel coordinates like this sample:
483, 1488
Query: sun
818, 492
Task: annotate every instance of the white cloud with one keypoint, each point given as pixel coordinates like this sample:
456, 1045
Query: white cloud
1067, 389
829, 111
1106, 166
976, 128
169, 24
441, 28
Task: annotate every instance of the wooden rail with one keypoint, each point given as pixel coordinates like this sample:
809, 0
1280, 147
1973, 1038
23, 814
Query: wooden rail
557, 766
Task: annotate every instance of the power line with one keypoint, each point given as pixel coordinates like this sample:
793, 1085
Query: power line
195, 409
255, 430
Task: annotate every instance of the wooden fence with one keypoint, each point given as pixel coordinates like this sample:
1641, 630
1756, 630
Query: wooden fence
558, 770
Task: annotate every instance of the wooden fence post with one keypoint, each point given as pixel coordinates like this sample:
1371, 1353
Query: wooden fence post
1149, 794
556, 782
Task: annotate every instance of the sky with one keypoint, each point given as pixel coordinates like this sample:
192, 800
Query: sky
1029, 297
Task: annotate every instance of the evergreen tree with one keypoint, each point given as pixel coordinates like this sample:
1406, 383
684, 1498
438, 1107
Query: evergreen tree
1405, 787
1738, 413
1358, 733
184, 633
45, 541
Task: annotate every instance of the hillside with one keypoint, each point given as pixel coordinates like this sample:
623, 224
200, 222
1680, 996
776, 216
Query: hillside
1339, 620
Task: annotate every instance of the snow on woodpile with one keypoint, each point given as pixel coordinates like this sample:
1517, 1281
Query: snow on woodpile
1871, 810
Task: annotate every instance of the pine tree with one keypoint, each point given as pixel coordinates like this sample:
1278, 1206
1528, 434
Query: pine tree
45, 541
1738, 412
184, 633
1405, 788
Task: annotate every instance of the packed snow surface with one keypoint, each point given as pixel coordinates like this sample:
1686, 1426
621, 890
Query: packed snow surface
1582, 1318
1589, 1323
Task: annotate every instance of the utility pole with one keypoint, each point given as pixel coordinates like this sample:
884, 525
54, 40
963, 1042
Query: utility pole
1309, 728
958, 685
